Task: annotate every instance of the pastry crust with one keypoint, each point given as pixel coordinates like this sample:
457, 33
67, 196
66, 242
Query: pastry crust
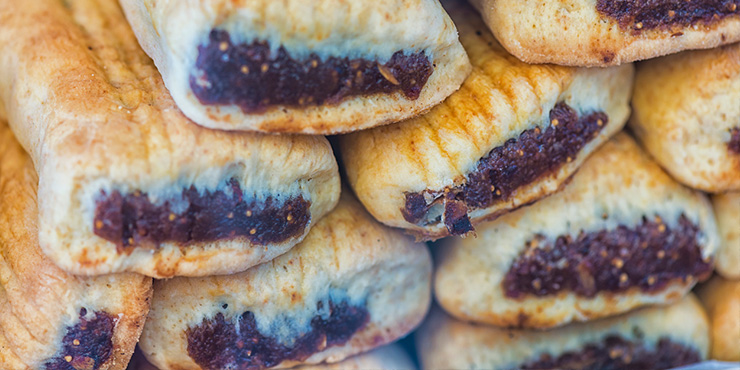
686, 115
721, 298
577, 33
390, 357
727, 211
39, 303
90, 108
502, 99
445, 343
174, 33
620, 192
348, 263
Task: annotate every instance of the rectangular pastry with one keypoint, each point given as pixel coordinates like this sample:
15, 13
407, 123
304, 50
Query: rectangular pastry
350, 286
687, 116
50, 319
308, 66
608, 32
512, 134
655, 338
126, 182
622, 234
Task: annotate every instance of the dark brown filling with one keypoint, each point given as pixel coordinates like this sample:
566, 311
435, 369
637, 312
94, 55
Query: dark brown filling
255, 78
218, 344
616, 353
133, 220
637, 15
87, 345
734, 144
518, 162
648, 256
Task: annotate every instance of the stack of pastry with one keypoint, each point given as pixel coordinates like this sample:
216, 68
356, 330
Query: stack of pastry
165, 181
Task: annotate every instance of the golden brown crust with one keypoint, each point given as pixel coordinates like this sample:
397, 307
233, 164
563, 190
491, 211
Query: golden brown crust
574, 33
92, 111
727, 211
721, 298
39, 301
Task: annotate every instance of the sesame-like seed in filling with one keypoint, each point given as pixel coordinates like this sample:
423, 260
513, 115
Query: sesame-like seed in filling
132, 220
649, 255
87, 345
220, 343
614, 352
518, 162
254, 78
671, 15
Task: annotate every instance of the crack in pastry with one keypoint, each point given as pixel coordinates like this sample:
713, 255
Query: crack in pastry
127, 183
311, 67
623, 234
615, 352
637, 15
221, 343
87, 345
132, 220
653, 337
335, 295
226, 73
506, 168
649, 256
734, 144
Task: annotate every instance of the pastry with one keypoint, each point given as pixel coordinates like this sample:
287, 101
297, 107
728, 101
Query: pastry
390, 357
350, 286
660, 337
721, 298
512, 134
126, 182
50, 319
727, 211
622, 234
308, 66
687, 116
608, 32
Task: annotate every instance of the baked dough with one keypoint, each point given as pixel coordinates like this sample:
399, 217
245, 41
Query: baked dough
727, 211
721, 298
350, 286
687, 116
390, 357
116, 158
622, 234
48, 318
650, 338
608, 32
533, 124
308, 66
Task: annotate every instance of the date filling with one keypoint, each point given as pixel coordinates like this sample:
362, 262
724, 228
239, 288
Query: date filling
615, 352
518, 162
254, 78
638, 15
132, 220
219, 343
649, 256
734, 144
87, 345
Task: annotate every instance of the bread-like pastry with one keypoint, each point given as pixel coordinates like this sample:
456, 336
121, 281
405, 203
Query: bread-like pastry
727, 211
308, 66
126, 182
390, 357
608, 32
350, 286
513, 133
622, 234
721, 298
687, 116
655, 338
50, 319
